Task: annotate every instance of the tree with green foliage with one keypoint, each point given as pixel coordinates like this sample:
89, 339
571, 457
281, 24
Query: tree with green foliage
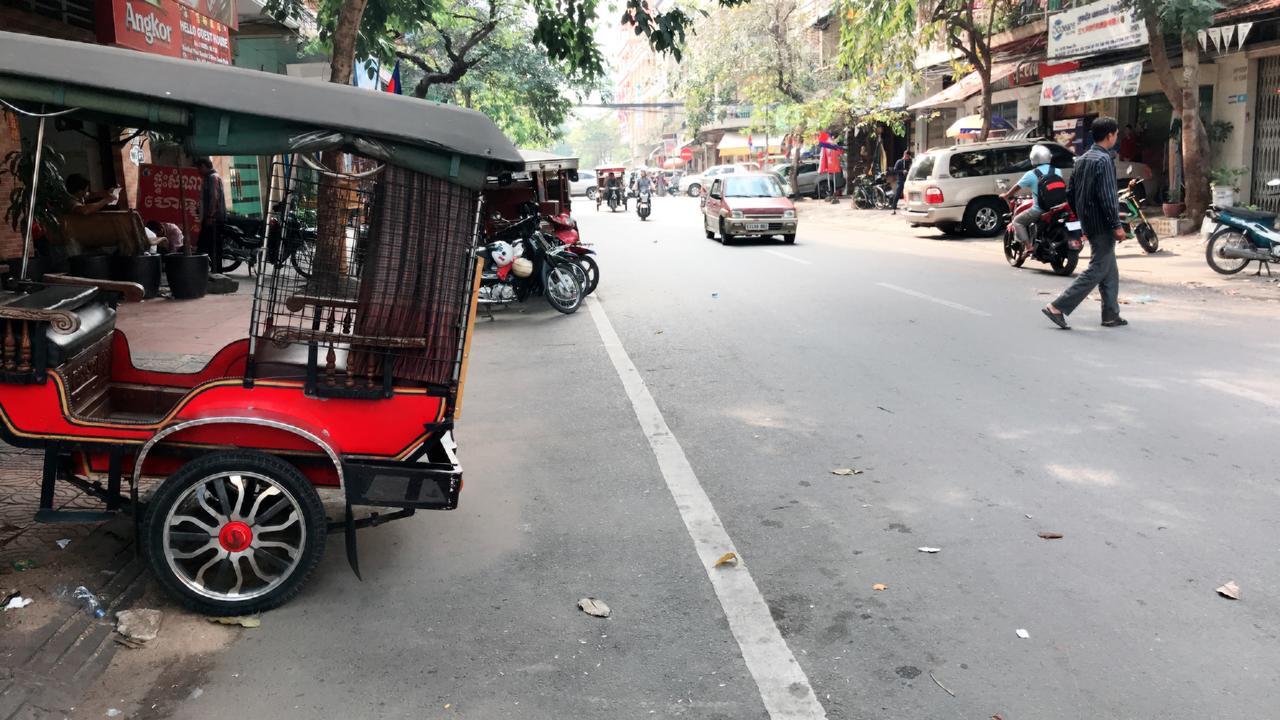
1183, 19
880, 39
480, 54
595, 141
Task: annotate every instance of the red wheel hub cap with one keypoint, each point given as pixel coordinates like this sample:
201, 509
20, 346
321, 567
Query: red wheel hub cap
235, 536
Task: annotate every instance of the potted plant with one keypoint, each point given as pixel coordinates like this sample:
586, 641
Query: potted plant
187, 271
1173, 207
52, 202
1225, 183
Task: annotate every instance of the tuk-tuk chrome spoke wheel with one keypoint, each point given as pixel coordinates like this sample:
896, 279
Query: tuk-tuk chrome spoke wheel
234, 536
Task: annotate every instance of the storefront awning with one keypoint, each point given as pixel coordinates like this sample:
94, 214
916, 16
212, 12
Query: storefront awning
968, 86
1093, 84
734, 144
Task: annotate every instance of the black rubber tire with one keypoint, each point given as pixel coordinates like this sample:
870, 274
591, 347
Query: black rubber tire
1147, 237
592, 270
880, 198
862, 198
303, 258
1214, 260
725, 238
693, 190
566, 308
821, 190
1012, 250
197, 470
948, 228
982, 217
613, 205
592, 192
1067, 266
710, 235
789, 239
228, 263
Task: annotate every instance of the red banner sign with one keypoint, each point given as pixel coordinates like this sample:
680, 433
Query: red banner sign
222, 11
164, 27
171, 194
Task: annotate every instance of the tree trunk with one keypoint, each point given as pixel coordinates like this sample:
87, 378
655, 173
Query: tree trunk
984, 74
1160, 63
795, 163
342, 64
1195, 158
332, 195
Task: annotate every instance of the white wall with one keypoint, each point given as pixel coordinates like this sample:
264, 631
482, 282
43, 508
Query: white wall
1236, 75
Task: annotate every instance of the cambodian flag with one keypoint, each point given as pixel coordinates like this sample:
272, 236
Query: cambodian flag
394, 85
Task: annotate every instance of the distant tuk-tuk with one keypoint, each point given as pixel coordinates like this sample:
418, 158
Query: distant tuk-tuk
618, 196
351, 373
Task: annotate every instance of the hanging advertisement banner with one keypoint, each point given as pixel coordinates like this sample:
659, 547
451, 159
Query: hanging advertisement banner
163, 27
171, 194
1095, 28
222, 11
1104, 82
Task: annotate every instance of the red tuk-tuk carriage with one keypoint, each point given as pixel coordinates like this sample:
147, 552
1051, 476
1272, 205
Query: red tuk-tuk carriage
350, 375
612, 199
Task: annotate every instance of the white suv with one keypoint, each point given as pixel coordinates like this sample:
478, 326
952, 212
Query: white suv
692, 185
959, 187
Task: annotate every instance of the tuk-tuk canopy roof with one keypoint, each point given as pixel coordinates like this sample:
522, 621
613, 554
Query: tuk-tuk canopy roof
227, 110
538, 160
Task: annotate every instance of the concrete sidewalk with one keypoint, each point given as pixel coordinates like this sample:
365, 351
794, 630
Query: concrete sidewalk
1180, 262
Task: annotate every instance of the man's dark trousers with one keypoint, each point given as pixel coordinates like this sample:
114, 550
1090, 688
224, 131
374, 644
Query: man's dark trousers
1103, 274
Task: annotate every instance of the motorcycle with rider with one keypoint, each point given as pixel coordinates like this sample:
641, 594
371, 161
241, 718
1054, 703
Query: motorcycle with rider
1043, 226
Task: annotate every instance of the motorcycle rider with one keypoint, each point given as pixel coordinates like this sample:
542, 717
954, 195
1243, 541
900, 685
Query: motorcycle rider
644, 184
1041, 166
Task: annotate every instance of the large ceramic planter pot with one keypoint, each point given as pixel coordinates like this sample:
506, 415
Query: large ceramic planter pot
188, 275
142, 269
97, 267
1224, 196
1173, 210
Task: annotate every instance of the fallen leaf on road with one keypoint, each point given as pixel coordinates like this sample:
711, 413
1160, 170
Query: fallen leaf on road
929, 550
592, 606
1022, 633
729, 558
996, 717
846, 471
879, 586
1230, 590
245, 621
1050, 536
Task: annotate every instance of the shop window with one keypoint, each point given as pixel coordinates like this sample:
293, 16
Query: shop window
1007, 111
971, 164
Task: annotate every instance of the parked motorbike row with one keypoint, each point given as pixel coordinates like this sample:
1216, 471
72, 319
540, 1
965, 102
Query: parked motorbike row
536, 255
1241, 236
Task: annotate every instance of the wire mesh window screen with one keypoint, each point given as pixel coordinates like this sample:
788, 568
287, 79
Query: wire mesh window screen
367, 276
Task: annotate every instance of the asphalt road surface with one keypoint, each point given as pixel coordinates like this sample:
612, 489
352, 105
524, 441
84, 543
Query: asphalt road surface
698, 405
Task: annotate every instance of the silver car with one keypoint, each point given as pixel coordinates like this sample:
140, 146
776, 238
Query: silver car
958, 188
809, 181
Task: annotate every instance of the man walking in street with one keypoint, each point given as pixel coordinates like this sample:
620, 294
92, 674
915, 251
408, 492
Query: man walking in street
1093, 197
900, 170
213, 212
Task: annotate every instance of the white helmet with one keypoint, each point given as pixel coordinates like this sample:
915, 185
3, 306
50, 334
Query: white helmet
1040, 155
522, 267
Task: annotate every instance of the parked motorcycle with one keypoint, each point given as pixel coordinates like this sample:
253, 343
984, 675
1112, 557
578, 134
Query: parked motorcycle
1055, 238
565, 230
644, 205
520, 260
1135, 221
287, 242
1241, 236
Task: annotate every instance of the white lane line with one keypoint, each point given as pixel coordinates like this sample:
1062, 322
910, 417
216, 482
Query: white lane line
932, 299
788, 257
783, 686
1239, 391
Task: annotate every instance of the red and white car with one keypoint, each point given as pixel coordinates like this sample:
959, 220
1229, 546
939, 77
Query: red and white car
748, 205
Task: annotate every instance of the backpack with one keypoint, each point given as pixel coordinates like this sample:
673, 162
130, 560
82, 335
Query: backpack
1051, 189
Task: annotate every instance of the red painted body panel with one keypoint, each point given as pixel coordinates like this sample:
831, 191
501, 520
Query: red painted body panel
388, 428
